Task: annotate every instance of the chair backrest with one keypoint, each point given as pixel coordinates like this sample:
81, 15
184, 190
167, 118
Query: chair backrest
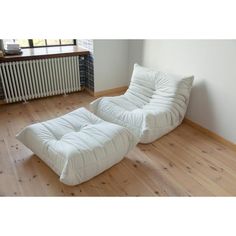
142, 85
157, 90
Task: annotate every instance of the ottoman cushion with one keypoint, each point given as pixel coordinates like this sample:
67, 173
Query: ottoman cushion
78, 145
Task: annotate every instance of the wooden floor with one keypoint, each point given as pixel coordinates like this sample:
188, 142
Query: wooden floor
182, 163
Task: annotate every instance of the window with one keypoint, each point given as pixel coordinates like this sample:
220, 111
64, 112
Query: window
34, 43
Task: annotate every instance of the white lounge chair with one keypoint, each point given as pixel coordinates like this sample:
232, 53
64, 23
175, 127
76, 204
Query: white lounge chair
154, 104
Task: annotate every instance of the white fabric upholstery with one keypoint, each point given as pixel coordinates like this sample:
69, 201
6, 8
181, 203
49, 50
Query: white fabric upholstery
154, 104
78, 145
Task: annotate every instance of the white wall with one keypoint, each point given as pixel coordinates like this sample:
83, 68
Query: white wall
110, 64
135, 54
213, 64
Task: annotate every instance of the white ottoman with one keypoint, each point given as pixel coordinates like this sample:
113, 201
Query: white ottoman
78, 145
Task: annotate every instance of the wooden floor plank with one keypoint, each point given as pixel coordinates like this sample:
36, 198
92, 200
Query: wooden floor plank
176, 157
206, 164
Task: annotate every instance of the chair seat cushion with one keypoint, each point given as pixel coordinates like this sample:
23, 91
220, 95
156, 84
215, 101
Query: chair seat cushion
146, 124
78, 145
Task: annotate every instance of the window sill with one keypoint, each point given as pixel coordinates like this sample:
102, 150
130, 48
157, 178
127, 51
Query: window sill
46, 52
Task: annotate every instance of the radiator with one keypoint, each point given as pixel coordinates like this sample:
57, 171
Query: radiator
25, 80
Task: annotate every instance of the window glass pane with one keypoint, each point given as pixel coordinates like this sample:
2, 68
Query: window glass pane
53, 42
22, 42
39, 42
6, 41
67, 41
